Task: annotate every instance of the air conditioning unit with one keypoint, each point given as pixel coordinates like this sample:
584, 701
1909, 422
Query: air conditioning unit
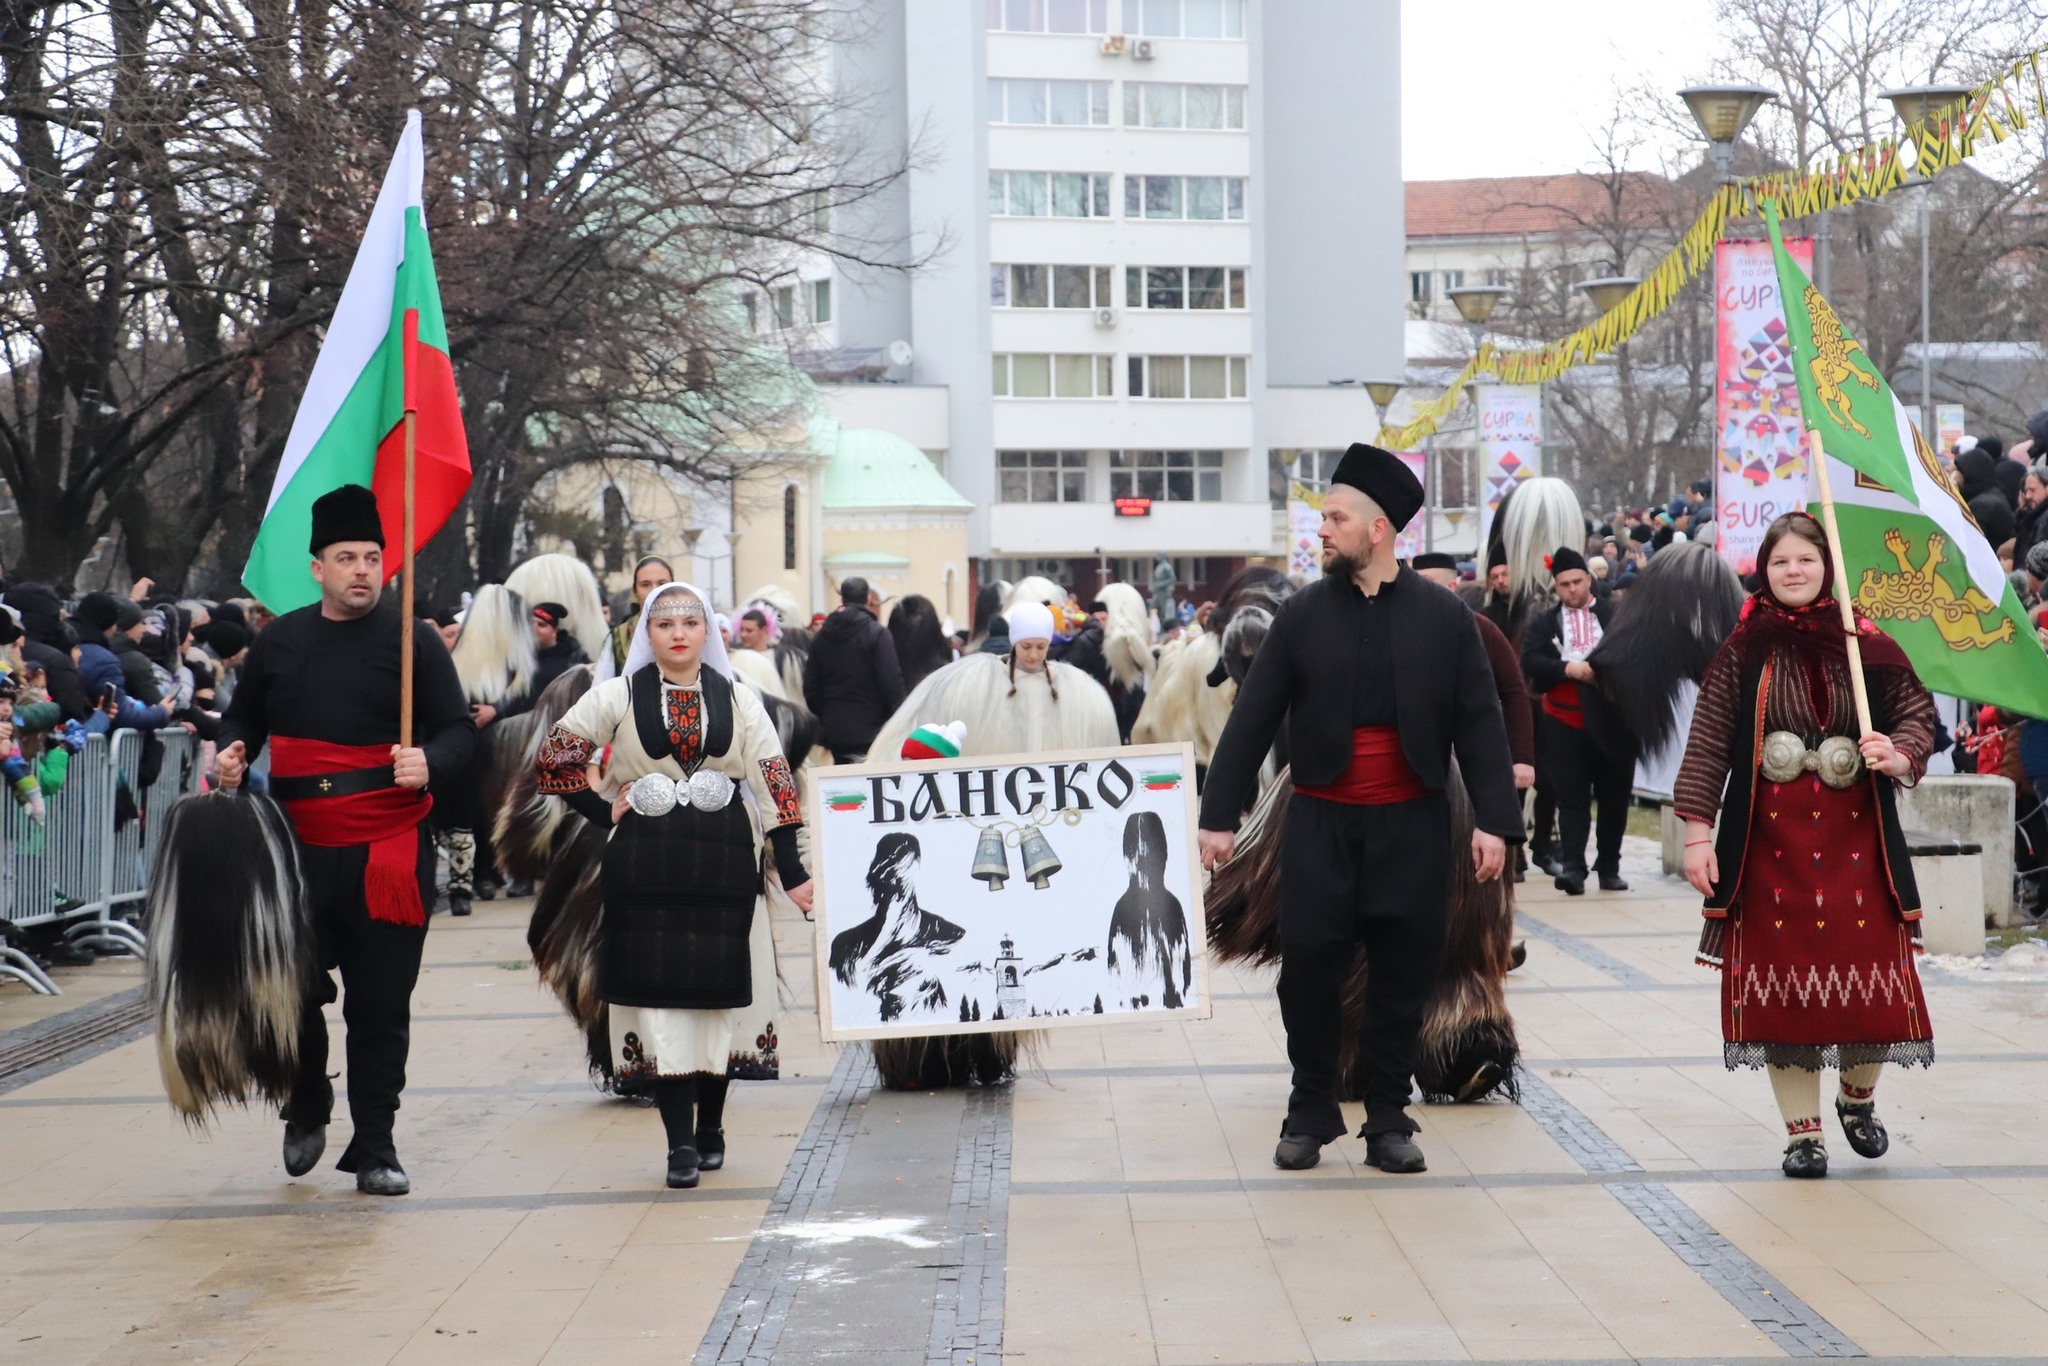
1113, 45
1143, 51
1105, 317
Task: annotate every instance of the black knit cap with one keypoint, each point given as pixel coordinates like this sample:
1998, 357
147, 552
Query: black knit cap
1564, 558
553, 613
348, 513
1497, 558
1433, 559
1384, 478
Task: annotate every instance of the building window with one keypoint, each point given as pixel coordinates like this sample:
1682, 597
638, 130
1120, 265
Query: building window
1188, 376
1418, 286
1034, 375
1042, 476
1497, 275
1453, 279
1167, 476
752, 303
1185, 18
1183, 287
1048, 194
1184, 196
821, 301
782, 299
1160, 104
1048, 16
1015, 286
789, 526
1071, 104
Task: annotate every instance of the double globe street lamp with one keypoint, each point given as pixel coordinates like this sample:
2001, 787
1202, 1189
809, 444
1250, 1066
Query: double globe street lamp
1912, 103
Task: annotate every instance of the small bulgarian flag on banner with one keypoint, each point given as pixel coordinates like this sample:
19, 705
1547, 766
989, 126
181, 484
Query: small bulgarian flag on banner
1919, 566
386, 353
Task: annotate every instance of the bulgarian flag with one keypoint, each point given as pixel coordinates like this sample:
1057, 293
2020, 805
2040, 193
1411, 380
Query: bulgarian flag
1918, 564
386, 354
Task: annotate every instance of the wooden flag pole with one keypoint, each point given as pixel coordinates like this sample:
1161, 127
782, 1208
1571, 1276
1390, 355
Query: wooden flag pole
405, 597
1827, 521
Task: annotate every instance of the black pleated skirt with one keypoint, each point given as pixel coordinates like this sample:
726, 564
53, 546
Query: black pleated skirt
679, 893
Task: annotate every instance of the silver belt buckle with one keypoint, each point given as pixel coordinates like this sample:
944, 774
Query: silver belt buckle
653, 794
708, 789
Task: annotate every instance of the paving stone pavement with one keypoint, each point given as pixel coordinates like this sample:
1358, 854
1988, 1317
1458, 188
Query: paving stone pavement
1116, 1204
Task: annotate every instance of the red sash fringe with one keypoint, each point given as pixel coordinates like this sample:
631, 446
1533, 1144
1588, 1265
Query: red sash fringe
384, 820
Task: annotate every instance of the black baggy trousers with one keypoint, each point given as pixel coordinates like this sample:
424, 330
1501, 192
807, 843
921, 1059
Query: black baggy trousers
1582, 773
379, 963
1375, 876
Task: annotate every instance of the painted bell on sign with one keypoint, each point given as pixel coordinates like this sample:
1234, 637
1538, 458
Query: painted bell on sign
1040, 862
991, 863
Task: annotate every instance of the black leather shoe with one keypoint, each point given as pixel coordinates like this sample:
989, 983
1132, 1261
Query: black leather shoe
302, 1147
1297, 1152
519, 889
1551, 864
1521, 874
1394, 1152
710, 1149
1518, 955
486, 891
458, 903
683, 1165
1571, 884
378, 1179
1863, 1128
1611, 882
1806, 1159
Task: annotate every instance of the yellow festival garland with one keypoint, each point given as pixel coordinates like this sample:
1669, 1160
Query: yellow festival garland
1946, 137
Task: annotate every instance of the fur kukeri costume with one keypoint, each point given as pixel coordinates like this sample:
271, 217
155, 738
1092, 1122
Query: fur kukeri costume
568, 581
1005, 712
1469, 1047
231, 949
1666, 630
1534, 518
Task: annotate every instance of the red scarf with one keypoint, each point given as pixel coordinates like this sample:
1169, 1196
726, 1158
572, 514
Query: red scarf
384, 819
1813, 634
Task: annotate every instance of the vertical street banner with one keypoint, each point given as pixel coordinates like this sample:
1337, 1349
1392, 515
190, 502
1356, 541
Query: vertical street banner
1510, 423
1950, 422
1413, 539
1304, 520
1760, 447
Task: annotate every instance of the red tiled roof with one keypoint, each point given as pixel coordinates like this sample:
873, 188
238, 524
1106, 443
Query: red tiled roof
1515, 206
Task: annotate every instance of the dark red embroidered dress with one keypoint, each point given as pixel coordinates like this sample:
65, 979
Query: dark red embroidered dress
1813, 921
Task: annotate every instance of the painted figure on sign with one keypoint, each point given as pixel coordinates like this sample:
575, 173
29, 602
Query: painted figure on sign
888, 954
1148, 932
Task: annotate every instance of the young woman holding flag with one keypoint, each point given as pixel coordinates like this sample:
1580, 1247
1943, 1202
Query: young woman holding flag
1811, 910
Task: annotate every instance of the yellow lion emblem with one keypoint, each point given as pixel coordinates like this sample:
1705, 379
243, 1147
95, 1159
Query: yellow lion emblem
1916, 594
1834, 362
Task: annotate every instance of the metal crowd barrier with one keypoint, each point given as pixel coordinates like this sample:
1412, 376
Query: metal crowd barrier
85, 868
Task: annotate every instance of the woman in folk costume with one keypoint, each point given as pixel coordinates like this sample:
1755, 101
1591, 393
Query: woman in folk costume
991, 705
685, 963
649, 573
1810, 902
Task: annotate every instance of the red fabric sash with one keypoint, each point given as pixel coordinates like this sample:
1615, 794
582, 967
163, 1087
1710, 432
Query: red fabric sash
384, 819
1562, 703
1379, 774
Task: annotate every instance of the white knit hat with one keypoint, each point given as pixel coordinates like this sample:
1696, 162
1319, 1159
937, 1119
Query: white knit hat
1029, 621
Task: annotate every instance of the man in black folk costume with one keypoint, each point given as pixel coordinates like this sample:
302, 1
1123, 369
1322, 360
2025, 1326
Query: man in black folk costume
1584, 766
321, 687
1378, 677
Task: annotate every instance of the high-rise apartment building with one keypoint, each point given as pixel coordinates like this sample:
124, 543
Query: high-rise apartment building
1161, 249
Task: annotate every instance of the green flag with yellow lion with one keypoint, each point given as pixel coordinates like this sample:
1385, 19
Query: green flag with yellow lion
1918, 564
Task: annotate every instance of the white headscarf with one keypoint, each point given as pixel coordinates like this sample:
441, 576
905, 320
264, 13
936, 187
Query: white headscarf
642, 649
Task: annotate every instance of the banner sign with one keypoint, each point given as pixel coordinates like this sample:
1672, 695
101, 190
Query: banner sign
1409, 541
964, 896
1759, 448
1949, 425
1510, 418
1304, 520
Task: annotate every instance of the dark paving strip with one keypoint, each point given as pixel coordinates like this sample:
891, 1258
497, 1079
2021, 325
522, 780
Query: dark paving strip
1797, 1328
750, 1319
342, 1206
48, 1046
1586, 953
967, 1315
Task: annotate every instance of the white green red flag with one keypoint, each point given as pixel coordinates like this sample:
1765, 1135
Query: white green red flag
386, 354
1918, 564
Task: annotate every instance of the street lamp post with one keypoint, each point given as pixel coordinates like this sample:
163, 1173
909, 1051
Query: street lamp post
1723, 112
1475, 304
1913, 103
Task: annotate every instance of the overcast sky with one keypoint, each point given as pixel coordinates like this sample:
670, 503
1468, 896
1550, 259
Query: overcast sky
1515, 87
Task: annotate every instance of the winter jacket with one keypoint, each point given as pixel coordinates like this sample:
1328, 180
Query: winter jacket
138, 676
1083, 650
60, 678
852, 680
549, 665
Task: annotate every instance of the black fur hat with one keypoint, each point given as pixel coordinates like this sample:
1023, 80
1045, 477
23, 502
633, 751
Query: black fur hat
348, 513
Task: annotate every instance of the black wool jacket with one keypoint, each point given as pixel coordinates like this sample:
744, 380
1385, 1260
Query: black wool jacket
1444, 698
